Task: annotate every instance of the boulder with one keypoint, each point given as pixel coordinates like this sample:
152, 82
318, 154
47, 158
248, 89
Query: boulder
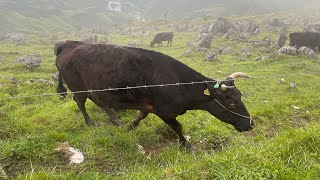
201, 49
248, 26
292, 50
227, 50
211, 56
262, 58
13, 37
181, 27
220, 26
266, 42
281, 41
308, 52
288, 50
30, 61
188, 53
245, 54
204, 41
265, 50
283, 50
246, 49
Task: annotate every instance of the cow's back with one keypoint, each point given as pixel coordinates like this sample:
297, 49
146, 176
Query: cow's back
99, 66
164, 36
309, 39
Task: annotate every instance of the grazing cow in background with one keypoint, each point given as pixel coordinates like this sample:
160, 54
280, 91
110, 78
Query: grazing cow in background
164, 36
308, 39
85, 67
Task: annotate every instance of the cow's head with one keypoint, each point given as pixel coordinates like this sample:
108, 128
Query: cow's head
58, 48
226, 104
66, 44
152, 44
292, 39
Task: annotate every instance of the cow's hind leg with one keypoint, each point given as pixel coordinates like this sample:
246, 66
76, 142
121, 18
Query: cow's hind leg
81, 100
112, 116
142, 115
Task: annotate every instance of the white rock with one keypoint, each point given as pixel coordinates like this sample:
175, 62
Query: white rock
75, 156
141, 149
296, 107
282, 80
188, 138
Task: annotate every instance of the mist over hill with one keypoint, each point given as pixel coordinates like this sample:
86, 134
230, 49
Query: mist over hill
50, 15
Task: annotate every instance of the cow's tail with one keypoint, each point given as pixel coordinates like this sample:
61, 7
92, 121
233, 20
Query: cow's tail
61, 89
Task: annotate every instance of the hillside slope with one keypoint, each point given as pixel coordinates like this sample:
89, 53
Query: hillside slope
45, 15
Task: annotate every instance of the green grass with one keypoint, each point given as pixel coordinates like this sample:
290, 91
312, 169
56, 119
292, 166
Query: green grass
284, 144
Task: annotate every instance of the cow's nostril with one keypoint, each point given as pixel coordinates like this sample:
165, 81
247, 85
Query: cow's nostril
232, 106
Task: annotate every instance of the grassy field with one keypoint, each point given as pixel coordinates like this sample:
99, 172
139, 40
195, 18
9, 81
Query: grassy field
283, 145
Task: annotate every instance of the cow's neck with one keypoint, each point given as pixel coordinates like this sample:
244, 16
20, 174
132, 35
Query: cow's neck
197, 96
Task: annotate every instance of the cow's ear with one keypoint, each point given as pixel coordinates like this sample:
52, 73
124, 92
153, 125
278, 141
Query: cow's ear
212, 89
58, 48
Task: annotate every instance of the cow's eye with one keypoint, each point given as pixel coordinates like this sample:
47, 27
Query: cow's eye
232, 106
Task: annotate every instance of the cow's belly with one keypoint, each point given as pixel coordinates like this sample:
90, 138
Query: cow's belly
113, 102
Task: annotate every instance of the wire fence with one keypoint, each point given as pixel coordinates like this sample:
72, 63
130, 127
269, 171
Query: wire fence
155, 85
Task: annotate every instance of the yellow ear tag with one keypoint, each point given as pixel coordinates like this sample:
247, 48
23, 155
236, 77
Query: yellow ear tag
206, 92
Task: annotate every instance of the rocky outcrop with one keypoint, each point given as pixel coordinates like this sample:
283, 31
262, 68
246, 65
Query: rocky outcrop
30, 61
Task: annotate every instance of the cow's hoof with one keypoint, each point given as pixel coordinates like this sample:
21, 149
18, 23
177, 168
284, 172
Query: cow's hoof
191, 149
188, 147
91, 123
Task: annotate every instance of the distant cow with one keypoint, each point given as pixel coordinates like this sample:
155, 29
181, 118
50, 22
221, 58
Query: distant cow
86, 67
164, 36
308, 39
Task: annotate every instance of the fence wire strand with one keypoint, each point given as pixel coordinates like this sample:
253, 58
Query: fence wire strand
154, 85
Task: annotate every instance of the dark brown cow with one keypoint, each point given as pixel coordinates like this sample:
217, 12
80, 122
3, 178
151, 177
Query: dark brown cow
86, 67
308, 39
164, 36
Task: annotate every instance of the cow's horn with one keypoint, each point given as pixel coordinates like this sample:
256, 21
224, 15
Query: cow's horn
239, 74
225, 87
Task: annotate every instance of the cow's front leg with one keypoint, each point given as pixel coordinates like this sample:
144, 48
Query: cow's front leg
176, 126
